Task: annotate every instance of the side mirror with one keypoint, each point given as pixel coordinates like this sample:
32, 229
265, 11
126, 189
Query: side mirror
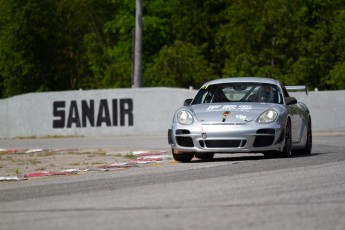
187, 102
290, 101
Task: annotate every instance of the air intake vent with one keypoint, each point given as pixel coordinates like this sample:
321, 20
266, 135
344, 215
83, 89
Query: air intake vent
222, 143
266, 131
182, 131
263, 141
185, 141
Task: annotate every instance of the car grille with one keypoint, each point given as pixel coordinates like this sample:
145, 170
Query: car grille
222, 143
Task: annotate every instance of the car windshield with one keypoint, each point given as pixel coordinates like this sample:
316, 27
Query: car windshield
238, 92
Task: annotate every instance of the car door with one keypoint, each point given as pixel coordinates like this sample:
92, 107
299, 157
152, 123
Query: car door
296, 119
296, 122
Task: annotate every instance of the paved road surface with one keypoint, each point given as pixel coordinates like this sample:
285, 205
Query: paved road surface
232, 192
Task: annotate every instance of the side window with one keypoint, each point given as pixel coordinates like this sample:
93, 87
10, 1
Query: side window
285, 92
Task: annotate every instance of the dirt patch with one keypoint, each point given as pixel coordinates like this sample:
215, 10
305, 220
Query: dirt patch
16, 163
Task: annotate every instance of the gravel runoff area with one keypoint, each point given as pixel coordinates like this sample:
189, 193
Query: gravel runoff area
22, 163
17, 163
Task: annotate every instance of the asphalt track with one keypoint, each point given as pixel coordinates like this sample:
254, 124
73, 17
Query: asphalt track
238, 191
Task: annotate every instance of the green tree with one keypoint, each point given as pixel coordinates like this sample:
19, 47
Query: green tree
336, 77
197, 22
70, 44
178, 65
109, 45
286, 40
27, 53
316, 54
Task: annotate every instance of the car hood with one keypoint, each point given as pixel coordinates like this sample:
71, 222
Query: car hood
232, 112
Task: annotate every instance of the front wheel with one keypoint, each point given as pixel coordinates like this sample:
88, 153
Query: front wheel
182, 157
288, 141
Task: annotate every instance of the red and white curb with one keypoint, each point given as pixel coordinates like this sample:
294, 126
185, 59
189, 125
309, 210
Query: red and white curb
12, 178
116, 165
13, 150
36, 150
45, 174
141, 157
145, 157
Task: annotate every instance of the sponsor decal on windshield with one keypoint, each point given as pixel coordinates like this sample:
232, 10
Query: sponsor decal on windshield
214, 108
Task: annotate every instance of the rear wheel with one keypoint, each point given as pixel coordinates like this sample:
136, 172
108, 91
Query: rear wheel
182, 157
309, 143
204, 156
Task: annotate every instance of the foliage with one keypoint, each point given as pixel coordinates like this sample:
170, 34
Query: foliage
27, 53
178, 65
55, 45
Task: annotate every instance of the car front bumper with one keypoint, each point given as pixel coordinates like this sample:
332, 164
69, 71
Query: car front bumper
224, 138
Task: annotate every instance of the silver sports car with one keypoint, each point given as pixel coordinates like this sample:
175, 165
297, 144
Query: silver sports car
237, 115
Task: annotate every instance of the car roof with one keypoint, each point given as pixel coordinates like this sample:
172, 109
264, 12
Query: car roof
243, 80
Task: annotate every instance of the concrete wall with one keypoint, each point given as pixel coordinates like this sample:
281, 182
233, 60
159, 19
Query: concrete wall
144, 111
33, 114
327, 109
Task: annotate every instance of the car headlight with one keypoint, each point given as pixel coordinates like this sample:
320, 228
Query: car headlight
184, 117
268, 116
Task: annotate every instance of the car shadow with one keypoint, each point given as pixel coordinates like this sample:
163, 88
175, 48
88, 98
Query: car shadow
251, 157
231, 157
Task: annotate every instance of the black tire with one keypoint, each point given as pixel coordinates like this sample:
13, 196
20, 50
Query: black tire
204, 156
288, 141
308, 145
182, 157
